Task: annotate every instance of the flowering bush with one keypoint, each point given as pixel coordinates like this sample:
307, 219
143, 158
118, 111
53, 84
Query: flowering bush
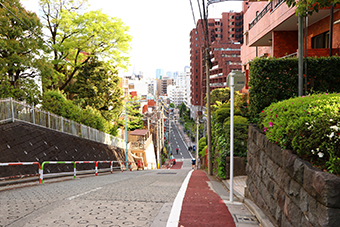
308, 125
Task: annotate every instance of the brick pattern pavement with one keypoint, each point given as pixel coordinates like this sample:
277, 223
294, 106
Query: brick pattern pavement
124, 199
202, 206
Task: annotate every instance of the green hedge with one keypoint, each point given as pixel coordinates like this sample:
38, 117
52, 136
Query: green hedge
275, 79
308, 125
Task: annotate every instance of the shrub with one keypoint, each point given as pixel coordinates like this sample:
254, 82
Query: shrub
55, 102
272, 80
308, 125
202, 143
240, 135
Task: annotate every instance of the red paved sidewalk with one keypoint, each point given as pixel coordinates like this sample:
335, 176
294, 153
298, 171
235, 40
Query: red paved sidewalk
178, 165
202, 206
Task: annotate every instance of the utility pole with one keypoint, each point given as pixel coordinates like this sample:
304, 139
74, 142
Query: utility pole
207, 76
197, 140
300, 52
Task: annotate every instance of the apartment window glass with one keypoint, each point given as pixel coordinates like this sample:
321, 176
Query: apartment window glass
321, 41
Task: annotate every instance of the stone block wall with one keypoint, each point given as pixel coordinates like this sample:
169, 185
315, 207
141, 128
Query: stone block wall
288, 189
24, 142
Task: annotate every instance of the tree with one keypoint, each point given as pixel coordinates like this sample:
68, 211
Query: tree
134, 116
307, 7
79, 37
20, 52
98, 87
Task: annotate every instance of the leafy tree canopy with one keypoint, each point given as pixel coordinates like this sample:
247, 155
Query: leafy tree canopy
20, 48
79, 36
308, 7
135, 118
98, 86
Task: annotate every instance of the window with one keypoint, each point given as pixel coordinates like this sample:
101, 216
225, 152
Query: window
321, 41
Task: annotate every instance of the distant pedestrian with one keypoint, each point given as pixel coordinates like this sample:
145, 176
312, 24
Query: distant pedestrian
177, 150
193, 163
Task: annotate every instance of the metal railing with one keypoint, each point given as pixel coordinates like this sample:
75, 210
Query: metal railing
270, 6
74, 163
12, 110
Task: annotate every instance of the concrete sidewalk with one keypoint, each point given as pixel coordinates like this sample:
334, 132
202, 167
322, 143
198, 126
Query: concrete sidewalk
239, 187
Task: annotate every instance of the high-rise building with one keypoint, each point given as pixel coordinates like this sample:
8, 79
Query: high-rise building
225, 37
159, 73
180, 92
162, 86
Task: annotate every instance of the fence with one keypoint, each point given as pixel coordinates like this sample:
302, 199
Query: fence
11, 110
74, 163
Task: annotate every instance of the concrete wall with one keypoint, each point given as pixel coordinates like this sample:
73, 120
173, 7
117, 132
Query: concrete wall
24, 142
289, 189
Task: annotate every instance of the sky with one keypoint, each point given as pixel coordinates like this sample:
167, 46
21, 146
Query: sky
160, 29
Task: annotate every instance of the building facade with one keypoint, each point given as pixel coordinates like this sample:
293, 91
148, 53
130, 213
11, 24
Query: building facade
180, 92
225, 37
162, 86
271, 29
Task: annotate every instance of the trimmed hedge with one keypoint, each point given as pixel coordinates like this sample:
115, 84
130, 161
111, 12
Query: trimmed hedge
309, 125
275, 79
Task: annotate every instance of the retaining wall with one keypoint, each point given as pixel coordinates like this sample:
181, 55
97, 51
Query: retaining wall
288, 189
24, 142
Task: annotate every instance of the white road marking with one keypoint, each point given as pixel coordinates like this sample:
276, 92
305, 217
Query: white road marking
177, 205
76, 196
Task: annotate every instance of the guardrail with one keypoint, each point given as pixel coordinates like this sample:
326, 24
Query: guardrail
21, 164
41, 167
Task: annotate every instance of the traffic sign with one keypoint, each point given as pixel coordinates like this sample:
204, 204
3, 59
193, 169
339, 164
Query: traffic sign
239, 80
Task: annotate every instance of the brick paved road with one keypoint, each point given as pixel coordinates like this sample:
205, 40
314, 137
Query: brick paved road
139, 198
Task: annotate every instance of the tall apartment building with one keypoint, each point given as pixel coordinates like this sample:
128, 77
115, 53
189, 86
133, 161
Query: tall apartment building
271, 29
162, 85
159, 73
180, 92
225, 39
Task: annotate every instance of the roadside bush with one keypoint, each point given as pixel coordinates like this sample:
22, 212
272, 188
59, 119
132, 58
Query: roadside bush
276, 79
240, 135
309, 125
202, 143
55, 102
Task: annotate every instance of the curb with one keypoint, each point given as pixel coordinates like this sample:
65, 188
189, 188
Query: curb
263, 219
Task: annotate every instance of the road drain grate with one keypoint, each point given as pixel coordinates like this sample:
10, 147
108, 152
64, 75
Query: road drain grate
248, 219
167, 173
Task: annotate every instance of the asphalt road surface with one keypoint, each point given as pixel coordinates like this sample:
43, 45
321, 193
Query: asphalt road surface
176, 141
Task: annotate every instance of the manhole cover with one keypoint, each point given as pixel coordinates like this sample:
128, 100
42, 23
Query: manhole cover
249, 219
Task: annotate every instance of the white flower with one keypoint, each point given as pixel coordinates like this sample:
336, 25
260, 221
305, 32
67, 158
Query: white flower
307, 123
320, 154
330, 119
336, 128
313, 152
331, 135
317, 149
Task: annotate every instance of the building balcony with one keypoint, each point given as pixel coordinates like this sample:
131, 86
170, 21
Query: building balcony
274, 16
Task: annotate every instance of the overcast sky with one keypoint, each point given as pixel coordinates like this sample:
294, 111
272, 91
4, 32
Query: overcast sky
160, 29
